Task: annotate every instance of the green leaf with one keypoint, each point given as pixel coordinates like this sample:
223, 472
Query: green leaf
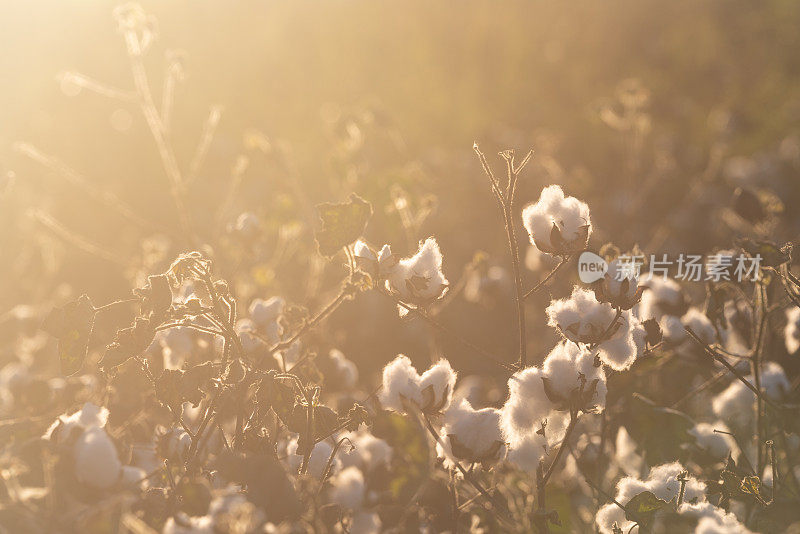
642, 508
342, 223
72, 324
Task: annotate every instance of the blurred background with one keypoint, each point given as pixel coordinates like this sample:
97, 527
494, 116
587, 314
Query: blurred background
658, 114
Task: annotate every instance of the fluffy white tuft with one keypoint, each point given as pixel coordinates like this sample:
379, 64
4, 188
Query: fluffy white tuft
526, 407
347, 371
348, 489
662, 482
318, 460
700, 325
662, 297
555, 214
97, 463
431, 392
712, 520
568, 366
472, 435
717, 445
734, 404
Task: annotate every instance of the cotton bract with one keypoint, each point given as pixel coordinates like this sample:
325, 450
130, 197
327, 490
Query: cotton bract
557, 224
619, 286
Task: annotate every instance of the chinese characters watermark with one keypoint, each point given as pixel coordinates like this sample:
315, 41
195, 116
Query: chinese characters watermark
686, 267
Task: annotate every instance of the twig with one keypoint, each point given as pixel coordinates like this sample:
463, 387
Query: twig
708, 350
551, 274
506, 202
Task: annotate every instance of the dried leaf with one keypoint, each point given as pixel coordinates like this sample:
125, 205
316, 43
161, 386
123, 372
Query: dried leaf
342, 224
72, 324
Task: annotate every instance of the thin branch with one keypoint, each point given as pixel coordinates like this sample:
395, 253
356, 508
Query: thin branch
709, 351
551, 274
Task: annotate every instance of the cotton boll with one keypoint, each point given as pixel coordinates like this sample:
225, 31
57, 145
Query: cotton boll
97, 463
619, 286
368, 452
735, 403
246, 329
347, 372
556, 428
717, 445
700, 325
174, 444
348, 489
176, 345
362, 251
556, 223
400, 385
672, 329
419, 279
89, 416
131, 476
792, 330
569, 367
473, 435
318, 460
663, 296
620, 351
626, 455
378, 266
711, 519
527, 404
662, 482
265, 315
580, 318
437, 385
430, 392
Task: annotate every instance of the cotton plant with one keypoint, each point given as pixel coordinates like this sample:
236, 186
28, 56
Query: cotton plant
663, 482
556, 223
542, 400
405, 389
